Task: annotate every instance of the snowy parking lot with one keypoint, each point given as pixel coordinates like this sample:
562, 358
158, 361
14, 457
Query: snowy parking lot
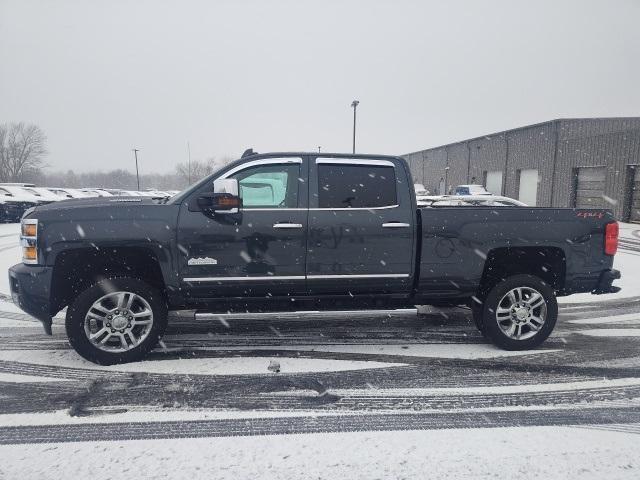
295, 395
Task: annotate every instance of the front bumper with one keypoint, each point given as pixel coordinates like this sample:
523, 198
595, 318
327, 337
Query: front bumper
31, 291
605, 282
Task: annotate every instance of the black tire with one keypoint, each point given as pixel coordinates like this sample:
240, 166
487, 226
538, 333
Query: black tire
495, 333
78, 310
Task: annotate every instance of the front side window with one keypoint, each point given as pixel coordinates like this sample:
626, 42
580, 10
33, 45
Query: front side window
269, 186
356, 186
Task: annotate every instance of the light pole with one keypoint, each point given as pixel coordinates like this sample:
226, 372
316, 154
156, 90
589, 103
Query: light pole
135, 152
354, 104
446, 180
189, 151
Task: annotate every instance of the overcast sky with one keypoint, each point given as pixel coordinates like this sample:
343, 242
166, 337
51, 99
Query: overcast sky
101, 77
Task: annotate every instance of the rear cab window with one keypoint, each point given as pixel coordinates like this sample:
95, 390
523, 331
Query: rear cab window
356, 184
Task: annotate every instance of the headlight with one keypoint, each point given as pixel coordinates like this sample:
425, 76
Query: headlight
29, 240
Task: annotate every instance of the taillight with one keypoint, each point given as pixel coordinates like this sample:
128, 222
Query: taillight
611, 238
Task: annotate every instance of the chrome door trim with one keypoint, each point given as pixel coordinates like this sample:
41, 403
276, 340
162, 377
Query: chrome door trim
271, 161
243, 279
355, 208
372, 275
269, 209
294, 277
350, 161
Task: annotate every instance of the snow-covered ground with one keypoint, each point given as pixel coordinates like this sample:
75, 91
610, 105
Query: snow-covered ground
498, 453
228, 365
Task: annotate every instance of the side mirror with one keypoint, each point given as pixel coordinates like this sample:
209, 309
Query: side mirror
223, 200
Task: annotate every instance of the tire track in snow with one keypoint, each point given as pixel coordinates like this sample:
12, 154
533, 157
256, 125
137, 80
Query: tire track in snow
311, 424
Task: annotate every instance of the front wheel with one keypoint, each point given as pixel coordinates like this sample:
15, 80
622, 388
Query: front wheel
116, 320
520, 312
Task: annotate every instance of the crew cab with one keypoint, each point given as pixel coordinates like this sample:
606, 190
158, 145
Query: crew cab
302, 231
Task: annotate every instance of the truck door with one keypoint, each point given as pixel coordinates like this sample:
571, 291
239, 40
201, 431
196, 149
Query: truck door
262, 251
361, 227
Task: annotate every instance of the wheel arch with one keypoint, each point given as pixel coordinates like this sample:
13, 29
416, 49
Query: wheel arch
78, 268
546, 263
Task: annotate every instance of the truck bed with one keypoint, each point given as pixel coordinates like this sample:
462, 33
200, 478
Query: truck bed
460, 244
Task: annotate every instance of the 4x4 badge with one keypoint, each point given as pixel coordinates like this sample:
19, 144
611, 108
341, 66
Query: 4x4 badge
202, 261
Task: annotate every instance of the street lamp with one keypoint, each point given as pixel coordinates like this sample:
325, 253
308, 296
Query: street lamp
189, 166
135, 152
354, 104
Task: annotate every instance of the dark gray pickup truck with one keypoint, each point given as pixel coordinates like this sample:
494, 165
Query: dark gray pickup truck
302, 231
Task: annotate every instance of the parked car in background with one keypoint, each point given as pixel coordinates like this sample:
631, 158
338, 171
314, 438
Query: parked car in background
70, 192
118, 192
96, 192
16, 198
15, 202
468, 200
154, 194
420, 189
42, 193
11, 211
27, 193
471, 190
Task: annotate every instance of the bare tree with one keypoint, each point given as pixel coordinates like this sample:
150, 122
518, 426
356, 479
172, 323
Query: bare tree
22, 148
199, 169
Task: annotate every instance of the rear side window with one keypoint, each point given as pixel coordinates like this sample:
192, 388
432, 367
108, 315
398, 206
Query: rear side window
356, 186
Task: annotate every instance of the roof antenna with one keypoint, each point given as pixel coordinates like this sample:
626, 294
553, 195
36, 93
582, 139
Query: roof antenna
248, 152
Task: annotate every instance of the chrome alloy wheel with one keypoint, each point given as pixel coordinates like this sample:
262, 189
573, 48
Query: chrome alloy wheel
118, 322
521, 313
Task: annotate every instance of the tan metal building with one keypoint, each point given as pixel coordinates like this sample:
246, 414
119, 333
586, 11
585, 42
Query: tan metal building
592, 162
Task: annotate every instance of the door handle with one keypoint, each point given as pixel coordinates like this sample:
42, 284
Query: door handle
395, 225
287, 225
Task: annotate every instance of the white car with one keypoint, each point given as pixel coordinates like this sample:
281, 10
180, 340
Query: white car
469, 200
420, 189
16, 193
471, 190
69, 193
43, 193
96, 192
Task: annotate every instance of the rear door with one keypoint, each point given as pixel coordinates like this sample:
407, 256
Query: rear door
361, 227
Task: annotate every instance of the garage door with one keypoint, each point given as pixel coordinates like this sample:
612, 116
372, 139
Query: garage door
635, 197
494, 182
528, 187
590, 187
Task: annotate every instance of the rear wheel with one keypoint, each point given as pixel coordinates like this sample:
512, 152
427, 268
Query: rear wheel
116, 320
519, 313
